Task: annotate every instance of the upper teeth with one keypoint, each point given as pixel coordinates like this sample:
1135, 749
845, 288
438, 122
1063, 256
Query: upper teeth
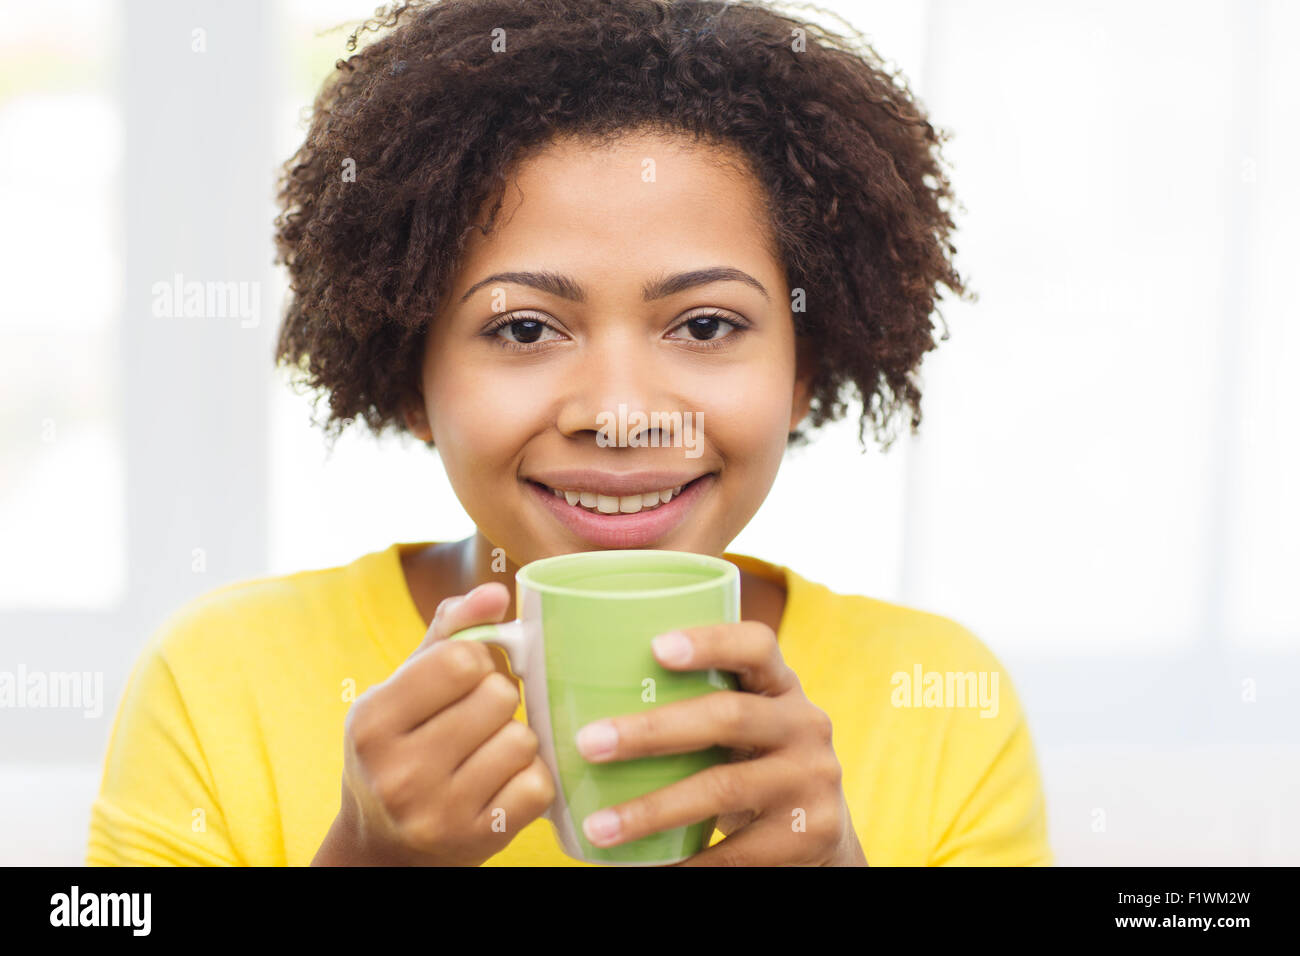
613, 504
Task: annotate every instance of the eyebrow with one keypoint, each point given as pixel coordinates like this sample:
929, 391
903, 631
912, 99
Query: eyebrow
566, 287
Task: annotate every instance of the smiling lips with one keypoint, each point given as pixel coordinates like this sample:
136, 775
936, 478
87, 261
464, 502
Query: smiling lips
630, 510
622, 504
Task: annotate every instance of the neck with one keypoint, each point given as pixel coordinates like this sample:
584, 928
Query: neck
476, 560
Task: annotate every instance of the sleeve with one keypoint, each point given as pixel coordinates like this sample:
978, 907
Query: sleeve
156, 804
989, 807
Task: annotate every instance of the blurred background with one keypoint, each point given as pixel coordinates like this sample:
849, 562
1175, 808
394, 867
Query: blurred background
1103, 490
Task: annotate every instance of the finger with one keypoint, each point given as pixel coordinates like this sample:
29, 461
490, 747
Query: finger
450, 736
768, 841
440, 672
525, 797
420, 688
726, 718
490, 767
485, 604
747, 648
720, 789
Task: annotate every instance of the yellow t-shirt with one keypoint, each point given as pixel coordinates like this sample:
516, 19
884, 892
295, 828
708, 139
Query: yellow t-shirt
227, 745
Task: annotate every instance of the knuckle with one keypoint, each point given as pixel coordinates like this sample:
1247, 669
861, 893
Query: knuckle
832, 772
359, 725
825, 817
465, 661
775, 660
395, 788
522, 738
517, 744
499, 687
764, 644
724, 787
425, 831
821, 725
729, 710
539, 786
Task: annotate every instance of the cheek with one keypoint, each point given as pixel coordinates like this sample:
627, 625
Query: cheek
477, 419
748, 413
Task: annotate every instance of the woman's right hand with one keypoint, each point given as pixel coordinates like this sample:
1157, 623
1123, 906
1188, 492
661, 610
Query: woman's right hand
433, 757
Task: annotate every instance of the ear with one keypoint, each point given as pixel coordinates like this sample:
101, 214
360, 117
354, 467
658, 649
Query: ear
417, 421
805, 369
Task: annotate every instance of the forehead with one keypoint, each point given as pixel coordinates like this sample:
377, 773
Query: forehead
643, 201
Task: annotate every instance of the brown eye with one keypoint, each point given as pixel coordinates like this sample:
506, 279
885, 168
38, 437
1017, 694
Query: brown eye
710, 328
523, 331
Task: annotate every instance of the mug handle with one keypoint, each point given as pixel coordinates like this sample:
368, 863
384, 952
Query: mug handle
509, 636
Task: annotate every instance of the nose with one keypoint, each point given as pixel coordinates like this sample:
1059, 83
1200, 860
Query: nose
622, 395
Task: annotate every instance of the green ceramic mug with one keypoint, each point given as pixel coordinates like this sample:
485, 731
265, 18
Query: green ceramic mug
581, 646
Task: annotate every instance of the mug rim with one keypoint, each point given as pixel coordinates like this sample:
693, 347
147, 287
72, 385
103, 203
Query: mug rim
730, 574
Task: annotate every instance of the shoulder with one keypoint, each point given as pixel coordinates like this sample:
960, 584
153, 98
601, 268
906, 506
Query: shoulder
251, 617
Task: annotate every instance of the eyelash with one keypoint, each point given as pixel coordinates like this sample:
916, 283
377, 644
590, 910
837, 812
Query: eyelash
705, 344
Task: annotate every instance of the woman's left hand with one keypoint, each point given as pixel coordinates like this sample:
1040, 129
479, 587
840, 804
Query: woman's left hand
779, 801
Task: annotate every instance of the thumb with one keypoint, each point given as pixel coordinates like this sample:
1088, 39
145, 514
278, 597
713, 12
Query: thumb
485, 604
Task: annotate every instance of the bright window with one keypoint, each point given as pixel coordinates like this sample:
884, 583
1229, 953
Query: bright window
61, 484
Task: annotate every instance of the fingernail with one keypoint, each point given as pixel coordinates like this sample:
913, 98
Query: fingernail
673, 647
597, 739
601, 827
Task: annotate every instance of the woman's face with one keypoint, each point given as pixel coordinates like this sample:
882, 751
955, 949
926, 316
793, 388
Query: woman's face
595, 259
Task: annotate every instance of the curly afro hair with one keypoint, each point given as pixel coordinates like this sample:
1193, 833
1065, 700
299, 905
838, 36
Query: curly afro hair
435, 110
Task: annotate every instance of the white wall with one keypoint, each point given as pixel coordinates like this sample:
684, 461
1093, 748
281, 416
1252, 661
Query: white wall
1103, 488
